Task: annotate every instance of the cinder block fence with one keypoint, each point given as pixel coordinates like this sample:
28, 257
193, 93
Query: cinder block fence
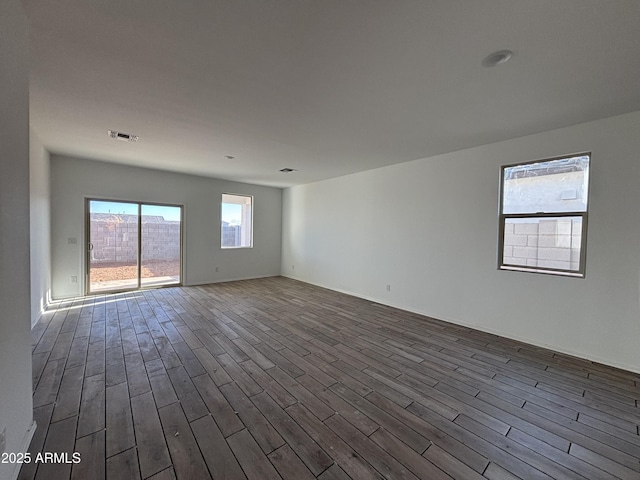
115, 238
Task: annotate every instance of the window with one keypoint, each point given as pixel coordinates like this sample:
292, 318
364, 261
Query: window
543, 216
237, 221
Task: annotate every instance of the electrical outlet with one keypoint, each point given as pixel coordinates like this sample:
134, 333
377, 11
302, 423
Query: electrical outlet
74, 279
3, 440
72, 241
388, 288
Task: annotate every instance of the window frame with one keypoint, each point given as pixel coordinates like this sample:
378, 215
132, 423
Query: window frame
222, 202
503, 217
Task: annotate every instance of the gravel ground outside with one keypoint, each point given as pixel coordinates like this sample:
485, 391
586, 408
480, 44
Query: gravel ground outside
112, 271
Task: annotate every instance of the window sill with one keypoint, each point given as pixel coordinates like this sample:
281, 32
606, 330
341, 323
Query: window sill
558, 273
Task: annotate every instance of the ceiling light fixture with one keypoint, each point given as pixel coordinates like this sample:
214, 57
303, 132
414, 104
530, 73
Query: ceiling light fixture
288, 170
125, 137
497, 58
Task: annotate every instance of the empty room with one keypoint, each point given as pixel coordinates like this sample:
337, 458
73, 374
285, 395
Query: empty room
339, 240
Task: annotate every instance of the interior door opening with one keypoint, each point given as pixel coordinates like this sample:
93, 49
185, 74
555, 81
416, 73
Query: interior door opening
132, 245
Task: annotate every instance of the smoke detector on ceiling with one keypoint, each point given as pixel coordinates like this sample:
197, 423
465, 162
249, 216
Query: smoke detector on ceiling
497, 58
125, 137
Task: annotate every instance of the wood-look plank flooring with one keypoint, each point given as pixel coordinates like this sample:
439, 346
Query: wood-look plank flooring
274, 378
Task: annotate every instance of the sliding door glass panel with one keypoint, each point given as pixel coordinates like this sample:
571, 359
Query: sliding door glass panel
160, 241
113, 246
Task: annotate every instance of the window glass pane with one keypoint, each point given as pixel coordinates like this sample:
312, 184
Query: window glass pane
236, 215
550, 242
551, 186
160, 241
113, 236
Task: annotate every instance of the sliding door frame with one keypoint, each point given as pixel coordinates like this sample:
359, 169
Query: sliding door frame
88, 245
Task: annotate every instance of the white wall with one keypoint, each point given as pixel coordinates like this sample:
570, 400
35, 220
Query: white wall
73, 180
429, 229
40, 227
15, 345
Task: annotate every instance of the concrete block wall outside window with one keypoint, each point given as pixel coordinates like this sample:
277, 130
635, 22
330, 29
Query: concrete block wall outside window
547, 243
543, 213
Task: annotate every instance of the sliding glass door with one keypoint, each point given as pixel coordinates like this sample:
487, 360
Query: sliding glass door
160, 241
132, 245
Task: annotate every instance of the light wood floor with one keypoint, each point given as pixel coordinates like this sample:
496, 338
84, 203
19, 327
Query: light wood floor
275, 378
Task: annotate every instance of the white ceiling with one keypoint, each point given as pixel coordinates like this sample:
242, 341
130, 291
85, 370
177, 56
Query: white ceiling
326, 87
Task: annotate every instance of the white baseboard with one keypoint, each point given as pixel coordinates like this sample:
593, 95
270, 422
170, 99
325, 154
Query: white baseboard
233, 279
26, 441
493, 331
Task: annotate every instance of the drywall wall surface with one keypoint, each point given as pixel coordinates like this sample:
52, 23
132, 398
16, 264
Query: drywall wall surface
429, 229
74, 179
15, 344
40, 227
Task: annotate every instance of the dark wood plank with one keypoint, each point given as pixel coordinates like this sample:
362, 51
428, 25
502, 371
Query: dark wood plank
314, 457
262, 378
68, 400
348, 460
240, 377
264, 433
168, 474
115, 366
217, 454
95, 359
213, 368
60, 439
136, 375
92, 457
222, 413
123, 465
385, 417
262, 361
382, 461
496, 472
62, 346
289, 465
416, 463
603, 463
165, 350
354, 416
161, 385
525, 455
186, 456
563, 458
313, 403
321, 380
153, 453
255, 465
450, 464
189, 397
188, 359
282, 362
334, 473
78, 352
147, 347
42, 417
120, 434
47, 389
38, 362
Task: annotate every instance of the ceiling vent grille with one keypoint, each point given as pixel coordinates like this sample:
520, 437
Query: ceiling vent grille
125, 137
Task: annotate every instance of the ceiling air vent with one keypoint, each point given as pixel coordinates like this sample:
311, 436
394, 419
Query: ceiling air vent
125, 137
288, 170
